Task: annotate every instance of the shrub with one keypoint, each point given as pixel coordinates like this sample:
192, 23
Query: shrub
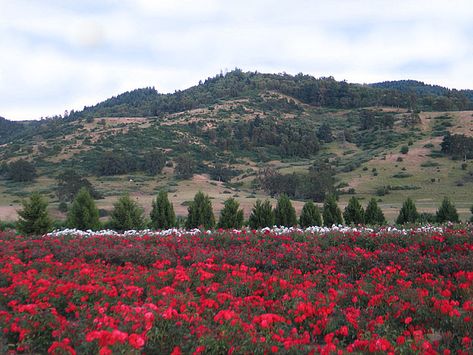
162, 214
21, 171
231, 215
353, 213
284, 213
408, 213
332, 213
261, 215
373, 214
404, 149
126, 214
310, 215
83, 213
200, 212
447, 212
34, 218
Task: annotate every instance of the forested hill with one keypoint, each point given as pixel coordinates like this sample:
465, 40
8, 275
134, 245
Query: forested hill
321, 92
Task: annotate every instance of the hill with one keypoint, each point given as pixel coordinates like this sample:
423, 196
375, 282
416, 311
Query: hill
252, 135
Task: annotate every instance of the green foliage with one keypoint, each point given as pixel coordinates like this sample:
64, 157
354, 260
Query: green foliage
21, 171
285, 213
404, 149
185, 166
34, 218
310, 215
353, 213
373, 214
83, 213
69, 183
331, 212
458, 146
231, 215
261, 215
126, 214
324, 133
447, 212
471, 210
408, 213
162, 214
200, 213
153, 162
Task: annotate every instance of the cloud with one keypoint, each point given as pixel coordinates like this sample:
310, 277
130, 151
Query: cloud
64, 54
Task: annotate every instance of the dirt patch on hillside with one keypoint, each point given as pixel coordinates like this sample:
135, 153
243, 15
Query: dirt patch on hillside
8, 213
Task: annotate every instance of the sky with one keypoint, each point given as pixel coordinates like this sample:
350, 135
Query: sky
58, 55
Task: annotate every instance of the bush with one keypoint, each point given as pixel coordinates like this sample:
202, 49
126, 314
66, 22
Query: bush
373, 214
83, 213
408, 213
404, 149
261, 215
200, 212
353, 213
162, 214
332, 213
21, 171
34, 218
447, 212
310, 215
126, 214
231, 215
284, 213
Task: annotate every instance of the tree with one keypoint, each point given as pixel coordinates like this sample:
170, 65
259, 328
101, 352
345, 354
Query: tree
231, 216
447, 212
324, 133
261, 215
69, 183
21, 171
34, 218
200, 212
185, 166
126, 214
332, 213
284, 213
373, 214
153, 162
83, 213
353, 213
471, 210
408, 212
162, 214
310, 215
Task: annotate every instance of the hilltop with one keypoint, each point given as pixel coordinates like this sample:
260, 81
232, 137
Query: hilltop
253, 135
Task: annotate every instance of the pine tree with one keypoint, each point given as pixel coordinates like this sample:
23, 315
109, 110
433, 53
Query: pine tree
162, 214
353, 213
83, 213
231, 216
332, 213
34, 218
200, 212
373, 214
126, 214
284, 213
310, 215
261, 215
408, 212
447, 212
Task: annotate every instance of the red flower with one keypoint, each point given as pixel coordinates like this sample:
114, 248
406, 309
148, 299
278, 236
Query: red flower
136, 341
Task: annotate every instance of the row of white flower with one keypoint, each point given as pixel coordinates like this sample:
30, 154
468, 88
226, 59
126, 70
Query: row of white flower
274, 230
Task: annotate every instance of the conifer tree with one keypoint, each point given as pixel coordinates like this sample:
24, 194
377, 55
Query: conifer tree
408, 212
261, 215
353, 213
447, 212
373, 214
83, 213
200, 212
284, 213
332, 213
34, 218
310, 215
231, 215
126, 214
162, 214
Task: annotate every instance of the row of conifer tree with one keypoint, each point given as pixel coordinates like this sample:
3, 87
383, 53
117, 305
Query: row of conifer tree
127, 214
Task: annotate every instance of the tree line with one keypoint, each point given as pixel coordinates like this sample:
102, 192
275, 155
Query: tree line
127, 214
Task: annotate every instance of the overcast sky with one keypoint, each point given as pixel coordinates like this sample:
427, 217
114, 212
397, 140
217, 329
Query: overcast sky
58, 55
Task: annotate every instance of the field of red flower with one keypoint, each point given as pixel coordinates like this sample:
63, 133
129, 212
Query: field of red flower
238, 292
